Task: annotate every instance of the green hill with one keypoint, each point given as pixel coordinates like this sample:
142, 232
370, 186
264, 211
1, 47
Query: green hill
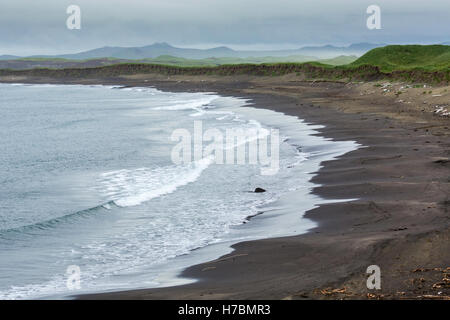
407, 57
338, 61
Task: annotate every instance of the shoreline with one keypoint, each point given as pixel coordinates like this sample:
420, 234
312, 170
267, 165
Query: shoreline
400, 221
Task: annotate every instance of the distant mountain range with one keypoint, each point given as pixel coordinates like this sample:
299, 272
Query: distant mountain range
8, 57
161, 49
164, 49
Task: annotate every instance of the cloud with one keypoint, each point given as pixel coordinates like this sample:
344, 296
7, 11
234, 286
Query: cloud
28, 27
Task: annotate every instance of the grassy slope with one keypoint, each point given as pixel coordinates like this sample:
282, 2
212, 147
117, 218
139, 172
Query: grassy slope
407, 57
339, 61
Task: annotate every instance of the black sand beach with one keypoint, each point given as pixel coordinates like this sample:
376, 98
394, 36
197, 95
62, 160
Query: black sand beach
401, 179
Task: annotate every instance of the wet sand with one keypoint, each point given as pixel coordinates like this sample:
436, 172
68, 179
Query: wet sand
401, 179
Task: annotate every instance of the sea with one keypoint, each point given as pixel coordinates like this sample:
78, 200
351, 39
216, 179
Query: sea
92, 201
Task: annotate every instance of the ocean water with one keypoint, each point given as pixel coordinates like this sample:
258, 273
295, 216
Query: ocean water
87, 180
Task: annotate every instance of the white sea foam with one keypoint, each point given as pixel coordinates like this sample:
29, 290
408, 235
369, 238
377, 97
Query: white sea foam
197, 103
133, 187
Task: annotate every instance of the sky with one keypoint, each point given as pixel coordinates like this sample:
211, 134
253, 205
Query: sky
30, 27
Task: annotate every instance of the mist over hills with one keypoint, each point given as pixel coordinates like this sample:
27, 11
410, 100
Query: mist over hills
161, 49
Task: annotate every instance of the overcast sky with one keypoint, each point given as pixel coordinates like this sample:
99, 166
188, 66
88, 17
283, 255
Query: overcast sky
39, 26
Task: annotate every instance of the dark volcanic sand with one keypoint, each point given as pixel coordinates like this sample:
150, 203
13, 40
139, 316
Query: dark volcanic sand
400, 222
